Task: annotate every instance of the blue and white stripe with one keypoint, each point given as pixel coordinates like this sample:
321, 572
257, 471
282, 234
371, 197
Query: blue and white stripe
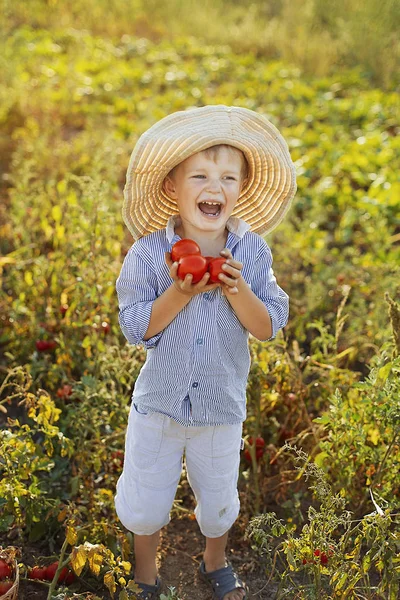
196, 369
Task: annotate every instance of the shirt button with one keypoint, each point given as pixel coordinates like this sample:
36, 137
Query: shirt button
206, 296
199, 341
195, 384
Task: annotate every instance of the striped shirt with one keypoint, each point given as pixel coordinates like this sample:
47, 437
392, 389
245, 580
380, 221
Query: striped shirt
196, 369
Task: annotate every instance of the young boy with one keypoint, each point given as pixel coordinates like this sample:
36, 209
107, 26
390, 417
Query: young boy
221, 176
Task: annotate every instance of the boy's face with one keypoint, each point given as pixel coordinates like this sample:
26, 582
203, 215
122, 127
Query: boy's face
205, 190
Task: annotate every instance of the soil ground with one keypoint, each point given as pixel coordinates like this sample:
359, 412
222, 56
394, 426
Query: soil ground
179, 557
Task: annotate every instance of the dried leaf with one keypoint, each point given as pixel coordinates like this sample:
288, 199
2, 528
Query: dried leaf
78, 559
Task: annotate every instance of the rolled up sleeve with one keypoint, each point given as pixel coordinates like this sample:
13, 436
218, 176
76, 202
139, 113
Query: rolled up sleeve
136, 289
265, 287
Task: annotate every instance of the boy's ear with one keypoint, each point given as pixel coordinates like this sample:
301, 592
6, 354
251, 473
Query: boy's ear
169, 187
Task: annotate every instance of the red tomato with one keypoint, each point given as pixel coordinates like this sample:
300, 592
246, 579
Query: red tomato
324, 559
5, 586
209, 259
184, 248
66, 575
65, 391
259, 442
5, 569
214, 269
43, 345
260, 449
51, 570
37, 573
195, 264
70, 577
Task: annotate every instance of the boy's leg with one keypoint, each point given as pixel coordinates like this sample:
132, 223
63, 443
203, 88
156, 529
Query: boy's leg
147, 486
214, 554
212, 461
145, 557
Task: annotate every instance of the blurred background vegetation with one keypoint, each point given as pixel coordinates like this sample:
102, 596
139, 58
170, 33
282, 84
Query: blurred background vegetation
315, 35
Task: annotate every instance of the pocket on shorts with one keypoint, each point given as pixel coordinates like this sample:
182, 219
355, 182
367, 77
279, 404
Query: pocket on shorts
144, 438
225, 448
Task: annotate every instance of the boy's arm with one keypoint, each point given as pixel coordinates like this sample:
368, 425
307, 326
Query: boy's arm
250, 311
143, 315
263, 307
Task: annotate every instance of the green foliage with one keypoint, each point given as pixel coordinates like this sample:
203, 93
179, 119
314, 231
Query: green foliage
73, 105
333, 555
33, 455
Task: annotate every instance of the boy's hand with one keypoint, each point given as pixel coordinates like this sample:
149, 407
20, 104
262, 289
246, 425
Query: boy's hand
186, 286
232, 273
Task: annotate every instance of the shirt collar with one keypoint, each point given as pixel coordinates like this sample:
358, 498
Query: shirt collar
235, 226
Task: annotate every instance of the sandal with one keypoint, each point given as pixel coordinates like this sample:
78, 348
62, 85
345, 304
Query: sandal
222, 581
149, 592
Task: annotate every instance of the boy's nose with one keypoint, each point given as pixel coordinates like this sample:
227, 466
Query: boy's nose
214, 185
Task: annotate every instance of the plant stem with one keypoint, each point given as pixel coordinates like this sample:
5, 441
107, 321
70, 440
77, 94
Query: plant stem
61, 564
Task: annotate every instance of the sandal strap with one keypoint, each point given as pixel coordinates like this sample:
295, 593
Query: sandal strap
223, 580
149, 592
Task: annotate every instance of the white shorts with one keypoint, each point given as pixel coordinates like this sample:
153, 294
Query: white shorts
154, 449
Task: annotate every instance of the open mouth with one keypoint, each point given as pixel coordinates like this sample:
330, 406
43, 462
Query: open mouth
210, 209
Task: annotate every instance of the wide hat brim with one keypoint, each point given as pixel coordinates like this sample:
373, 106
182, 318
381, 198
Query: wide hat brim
271, 182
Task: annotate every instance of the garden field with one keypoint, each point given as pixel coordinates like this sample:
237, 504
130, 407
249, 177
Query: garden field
320, 473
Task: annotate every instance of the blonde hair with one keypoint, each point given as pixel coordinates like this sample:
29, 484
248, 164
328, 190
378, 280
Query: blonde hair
213, 151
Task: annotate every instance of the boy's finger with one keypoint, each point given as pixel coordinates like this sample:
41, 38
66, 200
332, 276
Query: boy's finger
226, 253
173, 270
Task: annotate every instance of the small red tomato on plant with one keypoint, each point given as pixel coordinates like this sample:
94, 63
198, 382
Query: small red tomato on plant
324, 559
37, 573
43, 345
5, 585
51, 570
183, 248
66, 576
193, 264
65, 391
214, 268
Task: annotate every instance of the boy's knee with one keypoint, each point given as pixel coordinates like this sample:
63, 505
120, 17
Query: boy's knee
214, 520
138, 519
141, 514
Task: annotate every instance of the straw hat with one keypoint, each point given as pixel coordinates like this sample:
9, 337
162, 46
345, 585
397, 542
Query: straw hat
271, 182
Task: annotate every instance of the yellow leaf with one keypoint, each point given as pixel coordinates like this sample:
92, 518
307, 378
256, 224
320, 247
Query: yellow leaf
60, 232
62, 514
373, 436
95, 559
126, 566
56, 213
109, 582
133, 587
78, 559
123, 595
28, 278
71, 536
